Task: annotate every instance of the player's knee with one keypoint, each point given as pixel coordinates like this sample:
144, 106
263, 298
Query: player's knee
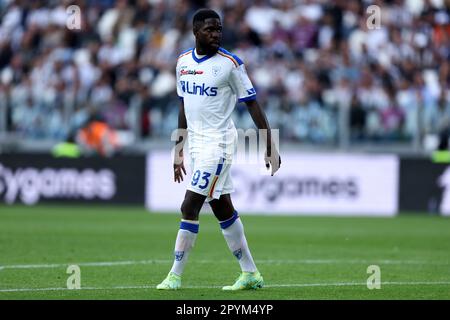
222, 215
223, 208
188, 210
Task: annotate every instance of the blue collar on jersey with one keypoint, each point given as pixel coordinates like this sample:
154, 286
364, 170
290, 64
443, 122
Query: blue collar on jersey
202, 59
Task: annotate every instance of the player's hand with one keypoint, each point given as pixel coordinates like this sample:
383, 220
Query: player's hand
178, 167
273, 161
178, 170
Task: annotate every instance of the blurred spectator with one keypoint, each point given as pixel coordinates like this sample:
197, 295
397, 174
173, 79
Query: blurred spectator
438, 120
97, 137
392, 119
357, 120
67, 149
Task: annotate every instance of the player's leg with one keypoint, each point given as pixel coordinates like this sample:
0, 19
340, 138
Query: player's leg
189, 227
233, 232
191, 206
185, 240
222, 208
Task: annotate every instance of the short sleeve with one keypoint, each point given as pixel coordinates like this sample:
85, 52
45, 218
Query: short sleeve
241, 84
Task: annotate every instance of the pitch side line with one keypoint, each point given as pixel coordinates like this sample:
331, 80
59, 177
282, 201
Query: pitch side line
267, 261
291, 285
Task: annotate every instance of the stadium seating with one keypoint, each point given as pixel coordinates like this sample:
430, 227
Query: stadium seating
317, 66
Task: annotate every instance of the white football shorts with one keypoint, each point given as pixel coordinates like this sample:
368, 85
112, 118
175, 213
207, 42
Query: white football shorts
210, 175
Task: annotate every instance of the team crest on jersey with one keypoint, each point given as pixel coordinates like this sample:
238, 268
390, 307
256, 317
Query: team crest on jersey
215, 70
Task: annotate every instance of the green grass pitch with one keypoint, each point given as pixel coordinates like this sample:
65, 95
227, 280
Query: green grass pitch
123, 252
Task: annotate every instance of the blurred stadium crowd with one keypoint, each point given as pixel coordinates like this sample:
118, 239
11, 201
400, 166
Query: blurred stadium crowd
310, 61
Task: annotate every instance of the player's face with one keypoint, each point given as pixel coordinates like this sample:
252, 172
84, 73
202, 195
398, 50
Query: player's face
209, 35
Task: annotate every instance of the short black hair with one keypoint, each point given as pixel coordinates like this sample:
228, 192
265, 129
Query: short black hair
201, 15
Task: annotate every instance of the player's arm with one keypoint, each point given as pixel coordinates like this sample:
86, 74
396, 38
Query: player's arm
178, 162
259, 118
242, 86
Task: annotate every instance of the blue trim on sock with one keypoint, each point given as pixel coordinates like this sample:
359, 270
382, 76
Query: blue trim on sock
192, 227
225, 224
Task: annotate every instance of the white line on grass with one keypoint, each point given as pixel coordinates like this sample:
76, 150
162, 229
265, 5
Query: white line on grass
288, 285
267, 261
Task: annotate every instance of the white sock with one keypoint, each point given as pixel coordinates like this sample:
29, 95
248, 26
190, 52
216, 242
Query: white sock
185, 242
233, 231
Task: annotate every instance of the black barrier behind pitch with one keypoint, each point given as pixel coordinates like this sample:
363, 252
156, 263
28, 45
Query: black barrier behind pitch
424, 186
38, 178
32, 179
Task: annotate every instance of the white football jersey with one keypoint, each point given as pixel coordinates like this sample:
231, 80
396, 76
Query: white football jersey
210, 86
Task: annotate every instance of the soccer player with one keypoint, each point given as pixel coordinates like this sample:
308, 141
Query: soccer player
209, 82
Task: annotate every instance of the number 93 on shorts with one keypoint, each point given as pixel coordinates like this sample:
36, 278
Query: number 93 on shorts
210, 177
